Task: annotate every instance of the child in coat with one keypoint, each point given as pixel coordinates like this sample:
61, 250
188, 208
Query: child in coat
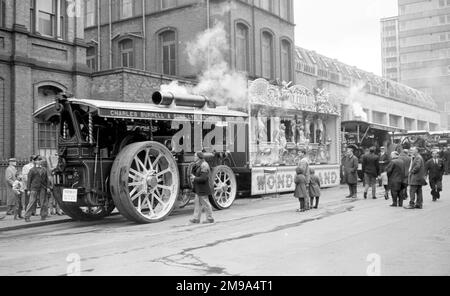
314, 188
300, 189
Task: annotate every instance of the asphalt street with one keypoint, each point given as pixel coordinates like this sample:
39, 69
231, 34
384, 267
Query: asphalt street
256, 237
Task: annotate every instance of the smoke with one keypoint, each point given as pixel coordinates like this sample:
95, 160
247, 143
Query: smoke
356, 93
217, 80
175, 88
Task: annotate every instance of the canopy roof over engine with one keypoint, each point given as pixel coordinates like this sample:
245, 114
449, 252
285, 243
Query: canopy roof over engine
136, 111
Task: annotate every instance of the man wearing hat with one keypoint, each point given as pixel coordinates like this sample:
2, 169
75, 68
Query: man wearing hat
11, 196
25, 170
202, 189
396, 173
37, 186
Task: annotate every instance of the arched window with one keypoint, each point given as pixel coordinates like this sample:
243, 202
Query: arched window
242, 48
286, 57
168, 56
267, 55
126, 48
91, 58
47, 132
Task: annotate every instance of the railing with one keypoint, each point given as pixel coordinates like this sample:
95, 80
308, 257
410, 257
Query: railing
3, 166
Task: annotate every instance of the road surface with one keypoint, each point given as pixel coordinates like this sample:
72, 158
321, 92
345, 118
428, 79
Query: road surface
256, 237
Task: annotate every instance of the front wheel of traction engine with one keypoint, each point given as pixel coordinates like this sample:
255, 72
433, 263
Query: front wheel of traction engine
223, 187
145, 182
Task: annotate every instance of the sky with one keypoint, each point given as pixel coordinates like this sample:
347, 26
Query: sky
346, 30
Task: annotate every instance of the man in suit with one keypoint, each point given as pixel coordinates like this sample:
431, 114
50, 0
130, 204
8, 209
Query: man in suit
404, 156
434, 168
395, 172
416, 180
350, 164
371, 170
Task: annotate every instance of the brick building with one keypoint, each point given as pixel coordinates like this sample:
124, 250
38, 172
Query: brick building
110, 49
42, 52
378, 100
150, 47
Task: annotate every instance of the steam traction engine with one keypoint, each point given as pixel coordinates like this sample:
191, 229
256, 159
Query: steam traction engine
137, 157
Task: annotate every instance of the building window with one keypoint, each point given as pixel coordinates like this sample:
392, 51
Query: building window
286, 61
91, 58
165, 4
285, 9
47, 139
267, 55
266, 4
46, 16
126, 8
90, 13
2, 13
242, 51
126, 53
168, 52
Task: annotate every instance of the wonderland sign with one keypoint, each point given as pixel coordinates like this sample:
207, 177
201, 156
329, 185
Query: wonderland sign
282, 179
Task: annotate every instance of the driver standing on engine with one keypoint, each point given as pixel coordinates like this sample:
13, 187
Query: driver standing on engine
202, 189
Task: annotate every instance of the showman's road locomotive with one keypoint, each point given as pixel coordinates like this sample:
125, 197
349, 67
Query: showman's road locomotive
137, 156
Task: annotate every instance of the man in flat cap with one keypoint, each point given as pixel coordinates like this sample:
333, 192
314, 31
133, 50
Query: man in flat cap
202, 189
37, 185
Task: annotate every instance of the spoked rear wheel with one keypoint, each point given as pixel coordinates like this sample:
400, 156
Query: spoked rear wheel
223, 187
145, 182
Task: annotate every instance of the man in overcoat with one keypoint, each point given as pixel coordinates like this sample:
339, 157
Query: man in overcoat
416, 180
202, 189
10, 178
434, 168
371, 170
350, 165
395, 172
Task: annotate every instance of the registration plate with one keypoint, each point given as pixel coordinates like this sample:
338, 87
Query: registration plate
70, 195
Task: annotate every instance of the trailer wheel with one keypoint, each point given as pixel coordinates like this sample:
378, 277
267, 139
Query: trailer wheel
145, 182
223, 187
82, 213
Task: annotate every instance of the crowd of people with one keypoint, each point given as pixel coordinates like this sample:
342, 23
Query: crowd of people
395, 172
402, 169
28, 188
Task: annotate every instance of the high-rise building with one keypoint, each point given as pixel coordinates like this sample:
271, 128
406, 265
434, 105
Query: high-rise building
390, 48
424, 38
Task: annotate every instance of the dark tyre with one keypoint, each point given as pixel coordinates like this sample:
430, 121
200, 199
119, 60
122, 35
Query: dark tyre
145, 182
223, 187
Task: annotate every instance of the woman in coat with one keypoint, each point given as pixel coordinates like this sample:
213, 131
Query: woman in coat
300, 189
350, 164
